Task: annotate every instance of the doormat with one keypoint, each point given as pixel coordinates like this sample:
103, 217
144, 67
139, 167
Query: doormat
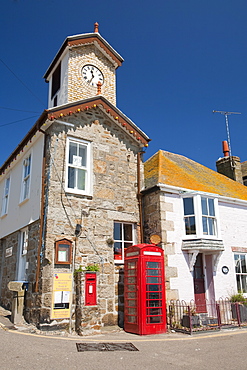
82, 347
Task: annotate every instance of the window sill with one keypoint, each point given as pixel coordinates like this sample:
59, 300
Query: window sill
4, 215
23, 201
119, 262
78, 194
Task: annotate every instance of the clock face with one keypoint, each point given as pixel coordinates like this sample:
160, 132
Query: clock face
92, 75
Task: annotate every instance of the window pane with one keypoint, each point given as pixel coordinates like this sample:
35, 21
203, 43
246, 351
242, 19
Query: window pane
72, 151
237, 263
127, 232
190, 225
117, 231
211, 226
6, 192
243, 263
71, 178
118, 250
238, 283
81, 179
204, 206
205, 225
188, 206
127, 245
83, 154
152, 265
26, 188
243, 280
211, 207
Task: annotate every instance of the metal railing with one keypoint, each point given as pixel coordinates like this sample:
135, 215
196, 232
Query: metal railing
212, 315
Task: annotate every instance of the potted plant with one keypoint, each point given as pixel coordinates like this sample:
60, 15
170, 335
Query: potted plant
190, 316
239, 302
92, 268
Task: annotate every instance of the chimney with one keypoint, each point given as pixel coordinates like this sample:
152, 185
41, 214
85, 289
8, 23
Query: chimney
229, 166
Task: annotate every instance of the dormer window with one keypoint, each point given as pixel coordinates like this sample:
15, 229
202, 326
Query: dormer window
56, 80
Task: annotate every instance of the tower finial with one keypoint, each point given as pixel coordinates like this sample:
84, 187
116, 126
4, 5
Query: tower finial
96, 27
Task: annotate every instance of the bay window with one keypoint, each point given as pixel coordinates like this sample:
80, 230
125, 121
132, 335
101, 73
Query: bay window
200, 216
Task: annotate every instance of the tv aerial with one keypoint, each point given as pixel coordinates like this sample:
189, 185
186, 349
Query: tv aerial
226, 114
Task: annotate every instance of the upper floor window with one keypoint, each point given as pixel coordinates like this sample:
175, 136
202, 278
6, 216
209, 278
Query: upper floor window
78, 166
189, 216
124, 237
208, 216
26, 178
6, 197
200, 216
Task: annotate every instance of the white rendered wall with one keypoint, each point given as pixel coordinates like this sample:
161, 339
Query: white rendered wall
232, 222
20, 214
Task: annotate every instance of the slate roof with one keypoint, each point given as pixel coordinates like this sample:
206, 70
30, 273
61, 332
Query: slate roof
176, 170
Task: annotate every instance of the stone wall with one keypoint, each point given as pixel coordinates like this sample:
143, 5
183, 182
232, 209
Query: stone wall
114, 163
9, 266
156, 222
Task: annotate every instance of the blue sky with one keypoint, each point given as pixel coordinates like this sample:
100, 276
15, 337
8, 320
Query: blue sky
183, 59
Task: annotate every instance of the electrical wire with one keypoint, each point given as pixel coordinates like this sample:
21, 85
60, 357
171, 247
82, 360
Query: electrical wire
19, 110
22, 82
20, 120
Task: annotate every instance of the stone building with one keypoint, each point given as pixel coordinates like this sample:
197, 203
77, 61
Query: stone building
71, 195
200, 216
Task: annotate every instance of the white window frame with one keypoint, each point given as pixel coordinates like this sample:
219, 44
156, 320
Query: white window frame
26, 177
122, 241
5, 201
240, 273
76, 165
199, 218
22, 260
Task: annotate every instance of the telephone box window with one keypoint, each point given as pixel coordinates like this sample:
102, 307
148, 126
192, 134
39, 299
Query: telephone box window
63, 253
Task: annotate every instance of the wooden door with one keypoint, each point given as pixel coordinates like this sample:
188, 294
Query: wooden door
199, 285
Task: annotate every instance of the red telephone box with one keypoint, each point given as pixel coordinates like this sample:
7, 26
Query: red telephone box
144, 290
90, 289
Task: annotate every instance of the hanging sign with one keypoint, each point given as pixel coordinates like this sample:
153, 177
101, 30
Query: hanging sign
61, 295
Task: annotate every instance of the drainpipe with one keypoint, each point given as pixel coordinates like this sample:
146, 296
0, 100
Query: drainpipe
139, 194
41, 214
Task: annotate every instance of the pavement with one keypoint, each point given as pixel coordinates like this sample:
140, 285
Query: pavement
108, 333
115, 334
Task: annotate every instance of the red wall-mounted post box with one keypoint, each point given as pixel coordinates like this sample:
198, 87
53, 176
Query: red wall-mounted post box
144, 290
90, 289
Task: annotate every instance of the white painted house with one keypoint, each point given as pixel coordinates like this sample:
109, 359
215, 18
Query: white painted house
201, 217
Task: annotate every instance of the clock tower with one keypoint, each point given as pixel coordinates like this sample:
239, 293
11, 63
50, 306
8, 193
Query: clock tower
84, 67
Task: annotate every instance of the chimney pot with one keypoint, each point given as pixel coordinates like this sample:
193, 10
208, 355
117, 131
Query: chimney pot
225, 148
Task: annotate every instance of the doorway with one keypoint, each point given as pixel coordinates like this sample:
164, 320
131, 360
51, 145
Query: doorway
199, 285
